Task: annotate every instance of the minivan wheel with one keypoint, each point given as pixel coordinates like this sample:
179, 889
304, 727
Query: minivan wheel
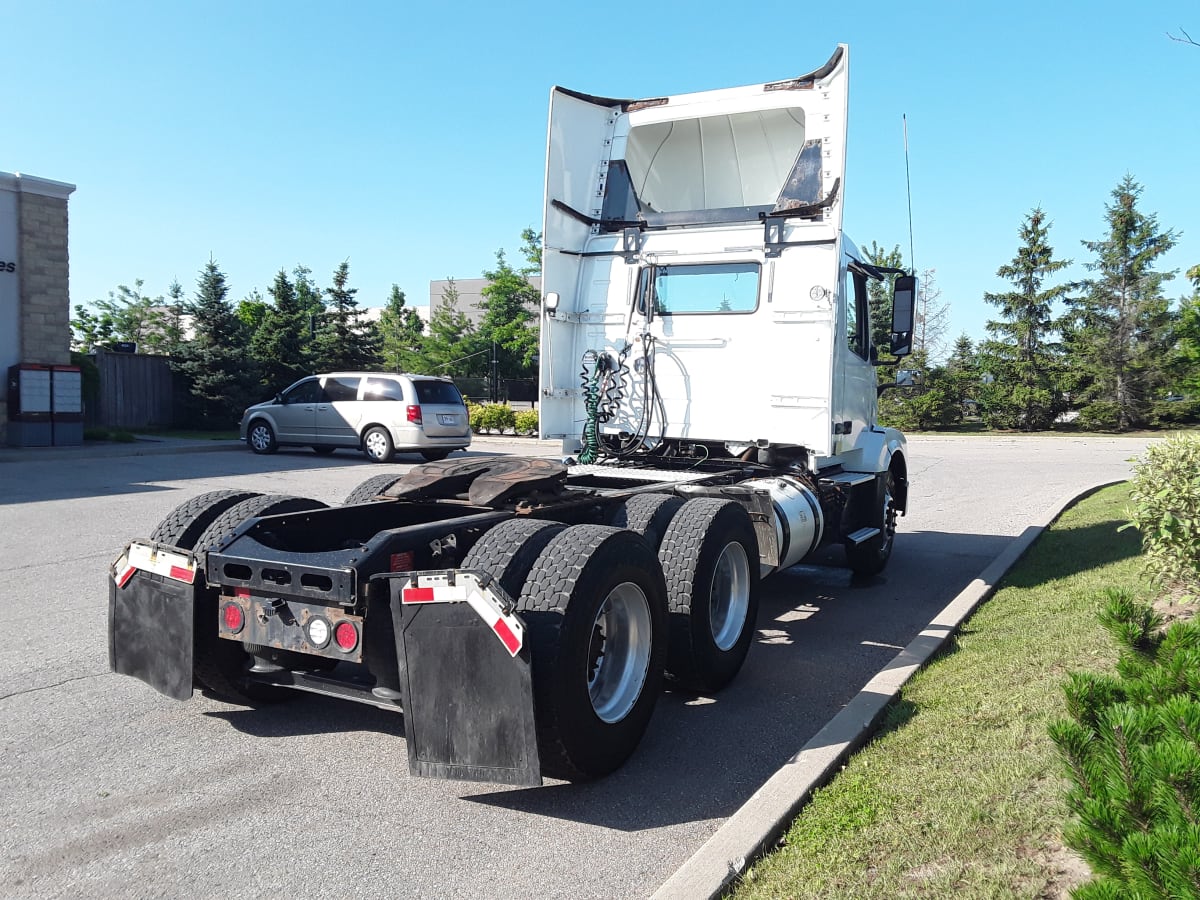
261, 437
377, 444
434, 455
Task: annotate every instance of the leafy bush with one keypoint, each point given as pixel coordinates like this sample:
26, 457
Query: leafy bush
1166, 510
527, 421
493, 417
1132, 749
475, 417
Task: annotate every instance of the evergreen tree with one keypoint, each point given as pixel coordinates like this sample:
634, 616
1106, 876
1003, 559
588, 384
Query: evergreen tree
280, 342
214, 362
880, 298
509, 301
1024, 361
345, 341
449, 348
400, 333
1188, 336
170, 320
962, 369
1119, 327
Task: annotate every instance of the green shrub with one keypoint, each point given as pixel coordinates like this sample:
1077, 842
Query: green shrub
1132, 750
475, 417
1175, 412
1166, 510
527, 421
494, 417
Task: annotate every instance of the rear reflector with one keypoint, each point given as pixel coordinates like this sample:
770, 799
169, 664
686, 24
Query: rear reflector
419, 595
151, 558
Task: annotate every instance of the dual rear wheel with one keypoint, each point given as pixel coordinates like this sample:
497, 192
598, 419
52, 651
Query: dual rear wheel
610, 610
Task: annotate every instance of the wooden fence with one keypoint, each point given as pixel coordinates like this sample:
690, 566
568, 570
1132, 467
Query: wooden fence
135, 391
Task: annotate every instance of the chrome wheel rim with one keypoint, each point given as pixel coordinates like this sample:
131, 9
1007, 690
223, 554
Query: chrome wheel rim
376, 445
619, 652
729, 597
260, 437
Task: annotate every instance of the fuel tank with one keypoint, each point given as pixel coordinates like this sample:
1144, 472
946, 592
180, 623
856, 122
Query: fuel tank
799, 522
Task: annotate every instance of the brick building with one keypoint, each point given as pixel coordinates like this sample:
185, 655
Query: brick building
35, 302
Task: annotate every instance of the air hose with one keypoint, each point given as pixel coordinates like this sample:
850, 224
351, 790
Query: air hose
590, 383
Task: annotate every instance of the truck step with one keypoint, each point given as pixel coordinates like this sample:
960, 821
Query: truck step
863, 534
848, 479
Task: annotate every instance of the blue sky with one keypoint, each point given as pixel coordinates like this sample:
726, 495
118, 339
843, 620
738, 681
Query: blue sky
410, 139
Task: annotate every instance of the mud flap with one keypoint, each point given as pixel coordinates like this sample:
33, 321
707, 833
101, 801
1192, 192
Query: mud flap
467, 699
151, 623
152, 617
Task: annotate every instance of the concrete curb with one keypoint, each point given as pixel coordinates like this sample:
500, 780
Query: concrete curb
770, 810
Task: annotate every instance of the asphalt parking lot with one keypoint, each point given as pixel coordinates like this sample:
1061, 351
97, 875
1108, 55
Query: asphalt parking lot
113, 790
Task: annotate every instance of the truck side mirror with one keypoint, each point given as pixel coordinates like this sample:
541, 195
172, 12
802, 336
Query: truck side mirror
904, 297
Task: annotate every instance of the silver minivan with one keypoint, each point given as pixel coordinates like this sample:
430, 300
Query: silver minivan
376, 412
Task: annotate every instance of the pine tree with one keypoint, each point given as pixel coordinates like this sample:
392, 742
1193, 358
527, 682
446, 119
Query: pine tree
214, 362
962, 369
449, 347
510, 318
345, 341
1120, 326
400, 333
280, 343
1188, 336
1024, 361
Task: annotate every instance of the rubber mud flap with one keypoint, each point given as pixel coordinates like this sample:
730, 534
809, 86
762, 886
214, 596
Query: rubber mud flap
468, 704
151, 624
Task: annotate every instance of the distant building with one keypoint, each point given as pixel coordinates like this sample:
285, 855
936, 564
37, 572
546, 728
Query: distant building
470, 295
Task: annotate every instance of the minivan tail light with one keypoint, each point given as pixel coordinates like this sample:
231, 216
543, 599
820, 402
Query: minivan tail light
414, 414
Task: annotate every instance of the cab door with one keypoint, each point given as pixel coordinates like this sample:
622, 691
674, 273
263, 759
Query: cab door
854, 404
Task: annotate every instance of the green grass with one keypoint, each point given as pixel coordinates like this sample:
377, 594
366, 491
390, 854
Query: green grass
960, 794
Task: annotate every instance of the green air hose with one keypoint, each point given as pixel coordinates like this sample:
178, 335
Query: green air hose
590, 382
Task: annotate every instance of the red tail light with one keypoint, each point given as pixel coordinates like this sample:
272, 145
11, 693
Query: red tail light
414, 414
233, 618
345, 635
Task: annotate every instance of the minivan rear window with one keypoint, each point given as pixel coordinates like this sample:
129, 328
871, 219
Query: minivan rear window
437, 392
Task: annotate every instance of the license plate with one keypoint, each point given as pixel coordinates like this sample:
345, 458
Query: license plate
447, 420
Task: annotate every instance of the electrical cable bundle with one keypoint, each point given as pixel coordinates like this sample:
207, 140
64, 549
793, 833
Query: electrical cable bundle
652, 403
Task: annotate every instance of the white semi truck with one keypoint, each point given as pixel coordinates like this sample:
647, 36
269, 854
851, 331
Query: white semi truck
706, 360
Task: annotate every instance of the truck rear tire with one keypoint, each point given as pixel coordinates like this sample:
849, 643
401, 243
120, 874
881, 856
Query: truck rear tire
371, 488
186, 522
509, 551
219, 665
872, 555
595, 607
648, 515
709, 557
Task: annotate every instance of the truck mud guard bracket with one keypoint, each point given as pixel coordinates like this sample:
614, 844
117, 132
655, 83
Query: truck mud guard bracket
465, 678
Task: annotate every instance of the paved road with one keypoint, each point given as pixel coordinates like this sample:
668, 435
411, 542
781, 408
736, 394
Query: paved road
109, 789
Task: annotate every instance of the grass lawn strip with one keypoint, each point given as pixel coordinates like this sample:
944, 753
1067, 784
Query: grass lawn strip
960, 793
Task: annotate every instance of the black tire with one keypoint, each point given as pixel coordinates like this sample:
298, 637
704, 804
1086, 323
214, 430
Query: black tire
509, 551
377, 444
595, 607
648, 515
435, 455
186, 522
219, 664
323, 449
709, 557
371, 488
260, 437
872, 555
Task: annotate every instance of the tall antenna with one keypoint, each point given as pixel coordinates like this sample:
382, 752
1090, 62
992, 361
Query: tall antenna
912, 256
